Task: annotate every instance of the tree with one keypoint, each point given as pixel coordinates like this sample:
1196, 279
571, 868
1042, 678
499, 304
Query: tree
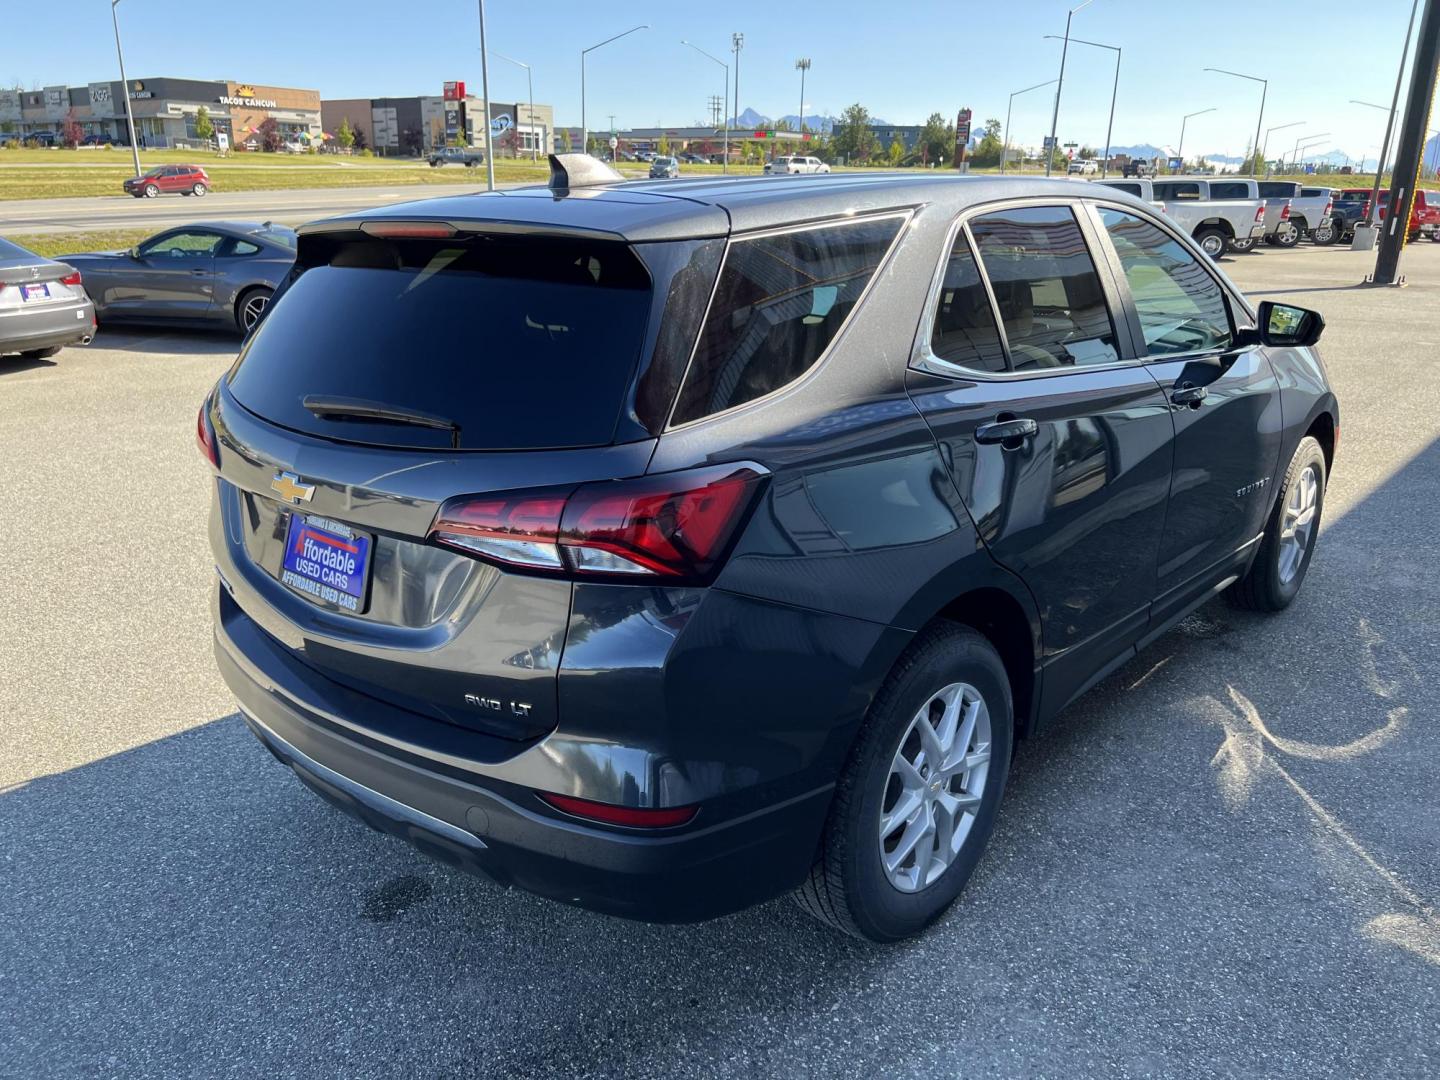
562, 141
360, 146
663, 147
937, 141
412, 141
1088, 153
509, 141
70, 132
853, 139
989, 146
896, 153
345, 136
204, 127
269, 132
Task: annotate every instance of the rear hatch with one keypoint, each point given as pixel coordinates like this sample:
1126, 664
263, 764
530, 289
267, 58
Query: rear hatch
405, 366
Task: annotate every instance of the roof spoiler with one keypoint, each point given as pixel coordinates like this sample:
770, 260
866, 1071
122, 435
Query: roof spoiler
569, 171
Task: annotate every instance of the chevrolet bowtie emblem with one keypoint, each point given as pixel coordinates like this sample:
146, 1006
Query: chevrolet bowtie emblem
288, 486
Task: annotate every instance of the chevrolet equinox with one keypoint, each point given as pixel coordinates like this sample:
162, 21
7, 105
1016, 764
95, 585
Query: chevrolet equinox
663, 547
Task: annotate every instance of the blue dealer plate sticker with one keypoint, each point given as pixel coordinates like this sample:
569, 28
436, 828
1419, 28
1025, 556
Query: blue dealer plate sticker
326, 561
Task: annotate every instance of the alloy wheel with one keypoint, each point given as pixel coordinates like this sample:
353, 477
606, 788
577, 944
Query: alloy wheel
934, 788
1213, 245
1298, 523
253, 309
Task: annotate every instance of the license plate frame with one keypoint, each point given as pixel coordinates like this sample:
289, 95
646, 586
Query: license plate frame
37, 291
323, 570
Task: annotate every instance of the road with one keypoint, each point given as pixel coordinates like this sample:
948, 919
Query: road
1222, 863
52, 216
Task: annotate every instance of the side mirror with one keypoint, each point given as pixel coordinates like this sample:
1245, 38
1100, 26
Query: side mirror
1286, 326
135, 252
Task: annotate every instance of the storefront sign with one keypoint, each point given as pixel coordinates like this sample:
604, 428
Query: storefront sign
502, 123
454, 91
99, 94
246, 102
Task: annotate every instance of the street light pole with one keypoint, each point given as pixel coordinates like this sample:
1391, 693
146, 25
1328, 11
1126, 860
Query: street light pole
125, 88
724, 168
485, 89
1060, 85
802, 65
534, 145
737, 42
1307, 141
1005, 148
1278, 127
1180, 150
1114, 90
1264, 89
584, 128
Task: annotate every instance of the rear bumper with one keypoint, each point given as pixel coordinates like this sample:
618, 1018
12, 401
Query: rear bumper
481, 816
45, 328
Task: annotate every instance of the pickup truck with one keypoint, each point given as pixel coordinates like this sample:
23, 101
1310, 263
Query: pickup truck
1309, 210
456, 155
1277, 209
1214, 224
1083, 167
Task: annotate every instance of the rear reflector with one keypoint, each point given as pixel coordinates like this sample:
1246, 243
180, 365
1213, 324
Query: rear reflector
676, 526
629, 816
73, 278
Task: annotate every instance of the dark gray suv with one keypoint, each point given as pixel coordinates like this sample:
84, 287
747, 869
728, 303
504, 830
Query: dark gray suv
661, 548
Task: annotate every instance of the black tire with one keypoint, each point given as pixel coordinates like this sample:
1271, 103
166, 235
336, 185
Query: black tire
246, 314
1273, 240
41, 354
847, 888
1325, 235
199, 190
1212, 241
1263, 588
1243, 245
151, 191
1287, 238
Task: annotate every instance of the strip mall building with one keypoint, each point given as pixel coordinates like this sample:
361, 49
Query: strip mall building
164, 110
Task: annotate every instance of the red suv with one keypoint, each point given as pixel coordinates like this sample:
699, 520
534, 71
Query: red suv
169, 179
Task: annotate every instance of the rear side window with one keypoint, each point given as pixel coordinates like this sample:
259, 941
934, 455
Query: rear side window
1049, 294
964, 331
1177, 191
1277, 189
1181, 307
519, 343
1230, 191
780, 301
1129, 189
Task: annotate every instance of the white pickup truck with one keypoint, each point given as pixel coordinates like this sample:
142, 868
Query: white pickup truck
1215, 224
1244, 190
1309, 210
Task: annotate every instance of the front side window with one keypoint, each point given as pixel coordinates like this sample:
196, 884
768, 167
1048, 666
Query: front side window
184, 244
1051, 302
780, 301
1181, 307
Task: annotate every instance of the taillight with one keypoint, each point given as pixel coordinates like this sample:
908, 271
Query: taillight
676, 526
1260, 212
409, 230
1285, 213
629, 816
1329, 206
72, 278
205, 436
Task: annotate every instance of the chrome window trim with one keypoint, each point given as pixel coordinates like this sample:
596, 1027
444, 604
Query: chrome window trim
906, 216
923, 358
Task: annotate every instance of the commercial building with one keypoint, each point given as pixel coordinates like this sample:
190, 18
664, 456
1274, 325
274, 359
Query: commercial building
416, 125
164, 110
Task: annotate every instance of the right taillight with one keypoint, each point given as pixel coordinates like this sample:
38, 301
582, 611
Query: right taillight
1329, 206
675, 526
205, 436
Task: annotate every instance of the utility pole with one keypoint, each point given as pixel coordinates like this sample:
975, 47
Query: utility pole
1059, 86
485, 89
737, 40
125, 89
1411, 147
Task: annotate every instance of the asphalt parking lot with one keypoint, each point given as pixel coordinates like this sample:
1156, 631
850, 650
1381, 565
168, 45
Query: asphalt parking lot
1222, 862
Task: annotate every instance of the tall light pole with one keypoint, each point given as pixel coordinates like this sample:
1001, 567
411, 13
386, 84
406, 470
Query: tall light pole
485, 89
1180, 150
1005, 148
737, 42
1264, 153
1060, 85
125, 88
1394, 108
1264, 89
534, 144
802, 65
584, 128
725, 168
1306, 142
1110, 127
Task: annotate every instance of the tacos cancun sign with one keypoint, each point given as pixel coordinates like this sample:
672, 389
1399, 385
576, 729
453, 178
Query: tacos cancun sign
244, 96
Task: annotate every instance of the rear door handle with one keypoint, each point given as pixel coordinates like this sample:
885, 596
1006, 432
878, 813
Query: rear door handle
1009, 433
199, 273
1189, 395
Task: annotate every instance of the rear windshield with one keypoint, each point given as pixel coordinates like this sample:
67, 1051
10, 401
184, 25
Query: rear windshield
518, 343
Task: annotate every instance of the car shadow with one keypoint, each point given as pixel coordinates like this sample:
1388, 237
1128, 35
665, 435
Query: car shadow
13, 365
165, 340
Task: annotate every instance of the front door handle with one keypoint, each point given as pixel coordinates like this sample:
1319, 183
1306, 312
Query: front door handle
199, 273
1189, 395
1009, 433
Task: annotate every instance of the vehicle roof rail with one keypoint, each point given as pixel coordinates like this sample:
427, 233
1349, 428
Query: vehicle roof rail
579, 171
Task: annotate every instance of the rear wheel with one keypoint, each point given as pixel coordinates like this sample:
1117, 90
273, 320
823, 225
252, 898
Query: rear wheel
1243, 246
250, 307
1326, 235
199, 189
1287, 237
1274, 578
918, 797
1212, 242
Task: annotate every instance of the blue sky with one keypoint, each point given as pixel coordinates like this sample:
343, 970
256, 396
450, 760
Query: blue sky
903, 59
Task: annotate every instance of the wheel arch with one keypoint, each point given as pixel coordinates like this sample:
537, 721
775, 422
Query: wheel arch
1002, 619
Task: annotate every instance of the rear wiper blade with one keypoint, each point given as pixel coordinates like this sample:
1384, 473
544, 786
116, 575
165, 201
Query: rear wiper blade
348, 408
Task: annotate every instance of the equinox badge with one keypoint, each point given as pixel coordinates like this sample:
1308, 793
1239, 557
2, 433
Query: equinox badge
288, 486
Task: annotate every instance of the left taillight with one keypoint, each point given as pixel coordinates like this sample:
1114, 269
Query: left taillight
1260, 212
205, 436
1285, 213
72, 278
673, 526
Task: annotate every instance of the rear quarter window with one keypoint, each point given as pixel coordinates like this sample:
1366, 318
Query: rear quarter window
780, 300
